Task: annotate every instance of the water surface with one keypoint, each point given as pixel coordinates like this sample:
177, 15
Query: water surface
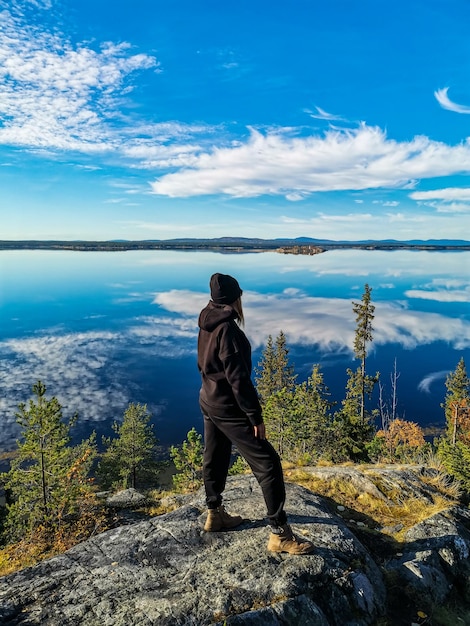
102, 329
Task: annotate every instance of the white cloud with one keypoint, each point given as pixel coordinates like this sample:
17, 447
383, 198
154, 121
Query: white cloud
445, 102
442, 291
391, 225
350, 217
448, 200
181, 301
275, 163
453, 207
402, 217
447, 194
56, 95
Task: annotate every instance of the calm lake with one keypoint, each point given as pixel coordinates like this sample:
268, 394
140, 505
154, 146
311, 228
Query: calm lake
102, 329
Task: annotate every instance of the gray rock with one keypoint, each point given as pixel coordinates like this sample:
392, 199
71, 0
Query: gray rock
126, 499
168, 571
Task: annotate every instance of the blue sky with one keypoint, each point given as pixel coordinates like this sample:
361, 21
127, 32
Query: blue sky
157, 119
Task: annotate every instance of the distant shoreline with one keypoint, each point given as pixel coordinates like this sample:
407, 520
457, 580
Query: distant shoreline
233, 245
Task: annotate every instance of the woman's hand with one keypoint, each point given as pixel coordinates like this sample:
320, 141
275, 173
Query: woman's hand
260, 431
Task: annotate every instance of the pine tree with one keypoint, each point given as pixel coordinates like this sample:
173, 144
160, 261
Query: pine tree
129, 458
48, 477
354, 422
274, 371
188, 460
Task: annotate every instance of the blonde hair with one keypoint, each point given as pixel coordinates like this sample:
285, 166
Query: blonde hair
238, 308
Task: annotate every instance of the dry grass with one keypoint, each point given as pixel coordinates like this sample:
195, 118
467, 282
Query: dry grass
160, 502
445, 484
23, 554
396, 508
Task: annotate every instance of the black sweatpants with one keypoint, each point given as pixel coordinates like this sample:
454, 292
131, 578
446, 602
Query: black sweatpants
219, 434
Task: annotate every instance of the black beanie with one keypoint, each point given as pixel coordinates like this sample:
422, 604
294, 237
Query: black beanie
224, 289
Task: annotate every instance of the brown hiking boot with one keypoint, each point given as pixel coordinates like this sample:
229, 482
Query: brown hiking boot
219, 519
286, 541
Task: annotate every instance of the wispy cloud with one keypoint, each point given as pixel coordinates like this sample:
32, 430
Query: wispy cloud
321, 114
452, 207
425, 384
445, 102
350, 217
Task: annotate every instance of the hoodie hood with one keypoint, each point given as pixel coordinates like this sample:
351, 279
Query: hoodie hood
214, 314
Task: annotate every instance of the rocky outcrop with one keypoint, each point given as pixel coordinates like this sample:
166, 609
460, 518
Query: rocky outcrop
434, 561
167, 571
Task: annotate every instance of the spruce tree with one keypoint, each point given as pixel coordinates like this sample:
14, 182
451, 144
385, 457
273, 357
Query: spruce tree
299, 421
47, 479
315, 422
274, 371
364, 311
129, 458
265, 371
280, 418
456, 460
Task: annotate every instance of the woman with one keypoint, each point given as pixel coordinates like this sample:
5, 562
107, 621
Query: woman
232, 414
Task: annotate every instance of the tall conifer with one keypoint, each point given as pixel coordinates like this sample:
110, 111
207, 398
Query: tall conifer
353, 421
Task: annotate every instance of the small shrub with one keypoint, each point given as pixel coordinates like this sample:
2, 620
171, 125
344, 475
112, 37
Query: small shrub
239, 466
188, 461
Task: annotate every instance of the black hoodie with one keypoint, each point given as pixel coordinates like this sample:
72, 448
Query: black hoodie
224, 360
